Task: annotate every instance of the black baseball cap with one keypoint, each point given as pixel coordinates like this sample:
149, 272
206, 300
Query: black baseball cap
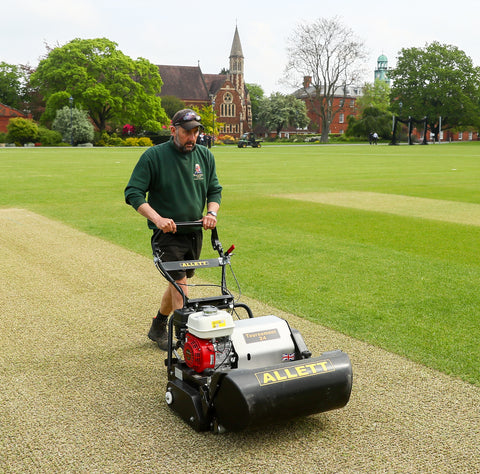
187, 119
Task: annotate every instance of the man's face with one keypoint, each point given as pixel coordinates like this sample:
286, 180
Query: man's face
185, 140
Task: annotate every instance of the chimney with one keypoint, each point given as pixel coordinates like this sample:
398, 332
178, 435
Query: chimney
307, 81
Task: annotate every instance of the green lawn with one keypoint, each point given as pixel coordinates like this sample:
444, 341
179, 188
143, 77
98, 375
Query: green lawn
401, 271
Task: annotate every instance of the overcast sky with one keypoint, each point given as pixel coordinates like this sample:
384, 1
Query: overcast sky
187, 33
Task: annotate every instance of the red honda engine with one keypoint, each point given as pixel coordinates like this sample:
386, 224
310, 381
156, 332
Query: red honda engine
199, 353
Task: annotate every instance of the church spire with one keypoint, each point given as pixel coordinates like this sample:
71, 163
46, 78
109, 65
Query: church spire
236, 55
236, 64
236, 45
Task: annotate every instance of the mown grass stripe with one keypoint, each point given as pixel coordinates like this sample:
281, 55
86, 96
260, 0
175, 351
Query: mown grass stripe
410, 206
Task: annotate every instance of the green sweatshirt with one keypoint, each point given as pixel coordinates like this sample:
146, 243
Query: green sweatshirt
178, 184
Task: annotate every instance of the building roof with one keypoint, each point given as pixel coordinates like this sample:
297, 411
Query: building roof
185, 82
349, 91
214, 82
7, 111
189, 83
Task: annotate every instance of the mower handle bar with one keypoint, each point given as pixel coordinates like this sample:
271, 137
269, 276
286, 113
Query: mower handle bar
217, 246
189, 224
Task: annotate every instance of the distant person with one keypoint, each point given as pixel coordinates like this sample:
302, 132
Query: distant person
180, 179
375, 138
370, 138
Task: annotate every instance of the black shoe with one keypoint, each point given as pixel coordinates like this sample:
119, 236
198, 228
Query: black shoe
158, 333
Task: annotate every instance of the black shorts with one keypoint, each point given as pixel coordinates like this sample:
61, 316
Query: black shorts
177, 247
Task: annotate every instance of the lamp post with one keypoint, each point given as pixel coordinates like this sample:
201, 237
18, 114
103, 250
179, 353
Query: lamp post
213, 115
71, 120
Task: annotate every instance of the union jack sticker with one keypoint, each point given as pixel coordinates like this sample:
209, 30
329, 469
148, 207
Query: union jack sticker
286, 357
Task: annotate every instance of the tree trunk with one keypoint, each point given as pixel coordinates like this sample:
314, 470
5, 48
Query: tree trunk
325, 130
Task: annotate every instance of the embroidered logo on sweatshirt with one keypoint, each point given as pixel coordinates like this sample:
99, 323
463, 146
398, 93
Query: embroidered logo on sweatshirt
198, 173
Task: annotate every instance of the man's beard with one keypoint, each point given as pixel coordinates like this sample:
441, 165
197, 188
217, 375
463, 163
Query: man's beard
183, 148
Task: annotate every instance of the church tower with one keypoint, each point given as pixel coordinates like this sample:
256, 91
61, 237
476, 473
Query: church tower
236, 62
231, 99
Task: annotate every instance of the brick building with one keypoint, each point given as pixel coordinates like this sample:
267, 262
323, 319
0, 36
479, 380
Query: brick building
344, 103
7, 113
227, 93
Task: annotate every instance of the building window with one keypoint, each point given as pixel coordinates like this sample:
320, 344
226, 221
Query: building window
227, 109
341, 118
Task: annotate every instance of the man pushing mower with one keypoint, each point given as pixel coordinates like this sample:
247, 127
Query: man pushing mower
180, 179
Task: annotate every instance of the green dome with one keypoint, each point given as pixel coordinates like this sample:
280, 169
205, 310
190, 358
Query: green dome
382, 59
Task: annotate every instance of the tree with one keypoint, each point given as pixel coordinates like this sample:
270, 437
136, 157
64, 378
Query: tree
256, 95
375, 95
11, 92
55, 103
109, 85
438, 80
328, 54
33, 101
172, 104
22, 131
209, 119
373, 113
279, 111
371, 120
48, 137
74, 125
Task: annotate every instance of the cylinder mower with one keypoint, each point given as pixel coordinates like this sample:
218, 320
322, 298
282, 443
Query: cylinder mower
228, 370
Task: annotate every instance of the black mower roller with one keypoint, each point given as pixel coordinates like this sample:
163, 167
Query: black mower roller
246, 398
